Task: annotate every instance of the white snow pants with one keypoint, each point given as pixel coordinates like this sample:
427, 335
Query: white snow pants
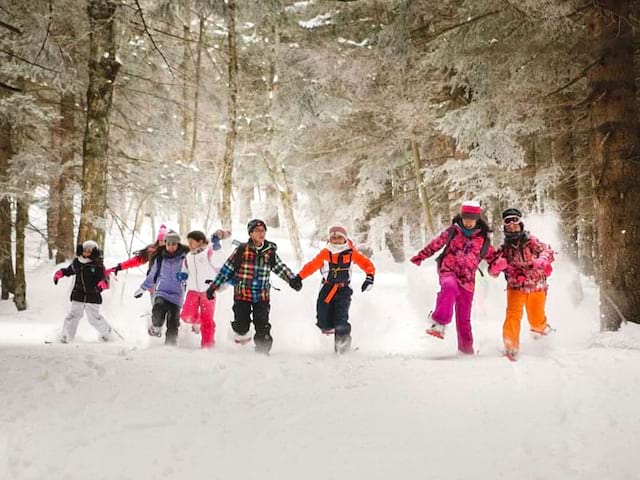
93, 315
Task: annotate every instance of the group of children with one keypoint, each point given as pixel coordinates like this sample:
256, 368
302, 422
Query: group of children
175, 268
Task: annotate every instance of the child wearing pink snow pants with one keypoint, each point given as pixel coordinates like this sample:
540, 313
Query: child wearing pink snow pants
198, 310
451, 293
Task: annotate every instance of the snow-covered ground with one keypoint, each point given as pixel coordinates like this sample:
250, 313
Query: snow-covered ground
403, 405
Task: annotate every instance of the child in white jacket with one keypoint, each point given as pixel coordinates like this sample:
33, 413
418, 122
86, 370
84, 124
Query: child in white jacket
198, 267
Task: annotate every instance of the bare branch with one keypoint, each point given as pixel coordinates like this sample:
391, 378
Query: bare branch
10, 28
146, 29
11, 54
582, 74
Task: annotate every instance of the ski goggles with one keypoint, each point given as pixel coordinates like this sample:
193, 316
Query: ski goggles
511, 219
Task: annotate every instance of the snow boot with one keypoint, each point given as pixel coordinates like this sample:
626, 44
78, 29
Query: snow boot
154, 331
540, 334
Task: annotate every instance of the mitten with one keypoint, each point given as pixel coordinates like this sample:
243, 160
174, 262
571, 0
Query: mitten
211, 292
296, 283
498, 266
416, 260
182, 276
139, 292
57, 276
367, 284
102, 285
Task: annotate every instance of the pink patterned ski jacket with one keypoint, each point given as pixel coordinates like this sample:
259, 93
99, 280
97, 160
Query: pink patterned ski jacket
462, 257
528, 264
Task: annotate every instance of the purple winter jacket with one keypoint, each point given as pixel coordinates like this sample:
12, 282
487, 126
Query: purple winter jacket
167, 285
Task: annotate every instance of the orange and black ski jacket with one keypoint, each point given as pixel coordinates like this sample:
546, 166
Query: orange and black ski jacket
337, 266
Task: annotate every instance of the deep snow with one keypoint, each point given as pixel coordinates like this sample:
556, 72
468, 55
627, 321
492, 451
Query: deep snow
403, 405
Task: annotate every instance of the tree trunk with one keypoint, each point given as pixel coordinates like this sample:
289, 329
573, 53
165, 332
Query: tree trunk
394, 239
230, 141
586, 232
54, 195
22, 219
287, 206
567, 190
615, 157
244, 203
64, 238
428, 227
103, 69
7, 278
271, 217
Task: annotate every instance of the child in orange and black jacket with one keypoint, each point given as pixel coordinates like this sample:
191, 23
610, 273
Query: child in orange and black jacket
334, 298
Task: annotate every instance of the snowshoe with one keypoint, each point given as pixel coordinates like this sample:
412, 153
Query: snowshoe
537, 334
511, 355
154, 331
436, 330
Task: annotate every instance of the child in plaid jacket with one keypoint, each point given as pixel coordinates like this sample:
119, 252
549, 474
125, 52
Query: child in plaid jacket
250, 265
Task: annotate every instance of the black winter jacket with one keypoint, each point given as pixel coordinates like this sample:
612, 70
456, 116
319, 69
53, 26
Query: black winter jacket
85, 288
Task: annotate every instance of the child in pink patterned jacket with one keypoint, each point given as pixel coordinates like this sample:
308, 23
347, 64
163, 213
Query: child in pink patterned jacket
466, 243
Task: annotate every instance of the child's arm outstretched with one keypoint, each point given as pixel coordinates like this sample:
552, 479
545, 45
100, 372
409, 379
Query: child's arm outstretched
63, 272
432, 247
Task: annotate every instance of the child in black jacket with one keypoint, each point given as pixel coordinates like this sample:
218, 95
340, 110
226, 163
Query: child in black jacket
86, 295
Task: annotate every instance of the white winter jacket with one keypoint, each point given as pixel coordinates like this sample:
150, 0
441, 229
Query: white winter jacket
201, 266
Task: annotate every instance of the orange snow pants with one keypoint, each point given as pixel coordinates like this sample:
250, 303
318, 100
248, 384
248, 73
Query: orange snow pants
516, 301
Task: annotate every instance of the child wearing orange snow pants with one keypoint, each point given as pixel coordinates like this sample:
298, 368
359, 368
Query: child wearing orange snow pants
526, 263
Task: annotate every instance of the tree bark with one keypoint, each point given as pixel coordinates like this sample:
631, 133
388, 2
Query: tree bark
64, 237
244, 204
428, 227
615, 169
103, 69
22, 219
230, 141
272, 218
7, 278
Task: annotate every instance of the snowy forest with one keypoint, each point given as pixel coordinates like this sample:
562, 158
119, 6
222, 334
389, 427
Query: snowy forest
360, 126
382, 115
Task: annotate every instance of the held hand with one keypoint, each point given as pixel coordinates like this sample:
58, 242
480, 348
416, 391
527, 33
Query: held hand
139, 292
296, 283
57, 276
367, 284
221, 234
182, 276
498, 266
211, 292
116, 269
102, 285
416, 260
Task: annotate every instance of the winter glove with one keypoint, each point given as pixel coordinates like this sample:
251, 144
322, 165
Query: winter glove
416, 260
182, 276
211, 291
498, 266
115, 270
296, 283
217, 236
102, 285
367, 284
57, 276
139, 292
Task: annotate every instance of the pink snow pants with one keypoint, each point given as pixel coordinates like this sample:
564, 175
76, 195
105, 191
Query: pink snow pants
450, 294
197, 309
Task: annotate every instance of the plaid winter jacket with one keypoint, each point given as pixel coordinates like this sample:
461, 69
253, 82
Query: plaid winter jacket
251, 280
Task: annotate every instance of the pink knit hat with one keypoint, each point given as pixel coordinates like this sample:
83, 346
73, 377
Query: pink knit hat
339, 231
162, 231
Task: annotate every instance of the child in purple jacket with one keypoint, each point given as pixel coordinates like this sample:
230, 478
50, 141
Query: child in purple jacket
466, 243
167, 279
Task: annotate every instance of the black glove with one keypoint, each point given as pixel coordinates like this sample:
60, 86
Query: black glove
367, 284
296, 283
139, 292
116, 269
211, 292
